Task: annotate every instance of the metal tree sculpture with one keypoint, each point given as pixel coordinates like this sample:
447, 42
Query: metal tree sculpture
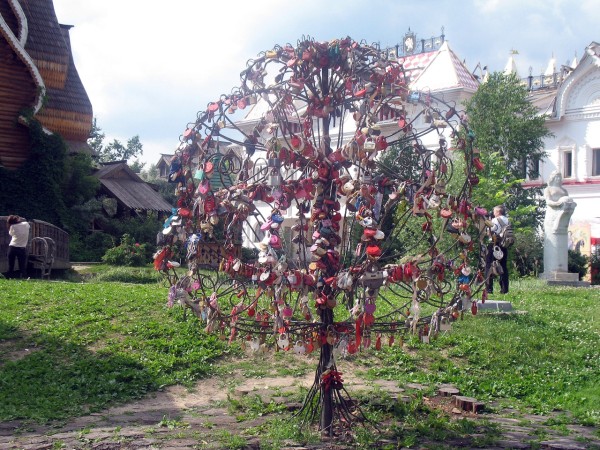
308, 155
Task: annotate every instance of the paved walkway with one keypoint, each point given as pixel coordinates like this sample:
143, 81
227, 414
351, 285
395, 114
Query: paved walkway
181, 419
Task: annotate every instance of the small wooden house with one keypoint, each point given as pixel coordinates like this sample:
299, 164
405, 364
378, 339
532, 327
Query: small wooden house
163, 165
37, 74
132, 194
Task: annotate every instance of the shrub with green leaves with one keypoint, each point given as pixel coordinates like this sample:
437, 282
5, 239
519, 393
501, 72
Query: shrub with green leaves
127, 253
578, 263
595, 265
527, 255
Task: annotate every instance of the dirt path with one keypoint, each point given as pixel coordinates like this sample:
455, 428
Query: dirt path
179, 418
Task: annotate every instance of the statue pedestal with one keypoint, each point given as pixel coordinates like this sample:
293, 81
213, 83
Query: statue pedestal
557, 278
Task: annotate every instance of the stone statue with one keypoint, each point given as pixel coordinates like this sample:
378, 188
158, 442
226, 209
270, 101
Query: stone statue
559, 209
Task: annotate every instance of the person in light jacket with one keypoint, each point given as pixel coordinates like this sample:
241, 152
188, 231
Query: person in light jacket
18, 229
499, 223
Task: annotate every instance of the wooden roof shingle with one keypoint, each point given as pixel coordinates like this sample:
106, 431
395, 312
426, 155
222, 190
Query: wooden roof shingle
45, 39
129, 189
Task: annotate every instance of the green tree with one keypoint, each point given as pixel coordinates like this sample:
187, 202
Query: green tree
137, 166
96, 139
509, 134
78, 184
165, 189
151, 174
51, 186
505, 121
115, 150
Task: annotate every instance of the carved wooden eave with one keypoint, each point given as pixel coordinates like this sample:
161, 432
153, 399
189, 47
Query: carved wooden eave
23, 28
16, 43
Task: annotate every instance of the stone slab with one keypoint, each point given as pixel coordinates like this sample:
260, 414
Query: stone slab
494, 306
559, 276
568, 283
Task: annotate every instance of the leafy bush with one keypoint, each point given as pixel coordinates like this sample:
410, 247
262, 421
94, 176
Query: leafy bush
249, 254
578, 263
595, 265
90, 247
50, 184
142, 229
527, 253
127, 253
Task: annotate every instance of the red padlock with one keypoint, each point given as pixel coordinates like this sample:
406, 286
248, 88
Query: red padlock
381, 142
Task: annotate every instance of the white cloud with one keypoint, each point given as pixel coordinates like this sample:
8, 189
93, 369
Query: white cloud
150, 65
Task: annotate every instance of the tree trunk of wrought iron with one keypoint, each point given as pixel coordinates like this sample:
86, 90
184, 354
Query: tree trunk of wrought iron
327, 314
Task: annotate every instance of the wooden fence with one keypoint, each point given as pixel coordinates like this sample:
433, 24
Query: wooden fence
38, 228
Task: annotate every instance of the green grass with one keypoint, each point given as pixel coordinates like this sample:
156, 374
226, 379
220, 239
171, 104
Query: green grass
67, 349
545, 358
97, 273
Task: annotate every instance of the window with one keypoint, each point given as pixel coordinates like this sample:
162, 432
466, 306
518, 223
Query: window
567, 165
595, 162
533, 169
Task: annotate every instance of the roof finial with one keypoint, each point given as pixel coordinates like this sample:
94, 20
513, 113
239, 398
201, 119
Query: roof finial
574, 62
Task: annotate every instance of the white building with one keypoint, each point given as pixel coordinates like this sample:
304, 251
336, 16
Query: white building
571, 99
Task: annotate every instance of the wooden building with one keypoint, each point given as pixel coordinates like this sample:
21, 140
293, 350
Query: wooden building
37, 74
163, 165
132, 194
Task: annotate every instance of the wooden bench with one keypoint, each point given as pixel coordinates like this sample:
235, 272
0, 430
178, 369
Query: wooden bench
41, 256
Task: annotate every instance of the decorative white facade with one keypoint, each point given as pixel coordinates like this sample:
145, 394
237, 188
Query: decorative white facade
573, 109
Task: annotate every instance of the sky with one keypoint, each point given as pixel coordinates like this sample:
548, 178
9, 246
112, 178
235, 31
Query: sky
149, 66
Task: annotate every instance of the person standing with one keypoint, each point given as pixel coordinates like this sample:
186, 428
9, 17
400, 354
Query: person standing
18, 229
499, 224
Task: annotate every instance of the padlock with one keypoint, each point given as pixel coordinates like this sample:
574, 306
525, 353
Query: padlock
283, 341
330, 339
299, 348
370, 305
287, 312
292, 279
273, 163
274, 179
254, 344
369, 145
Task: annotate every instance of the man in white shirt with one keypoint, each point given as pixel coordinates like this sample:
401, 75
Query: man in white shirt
18, 228
499, 222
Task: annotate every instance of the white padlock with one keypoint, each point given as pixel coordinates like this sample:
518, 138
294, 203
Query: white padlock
283, 341
299, 348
